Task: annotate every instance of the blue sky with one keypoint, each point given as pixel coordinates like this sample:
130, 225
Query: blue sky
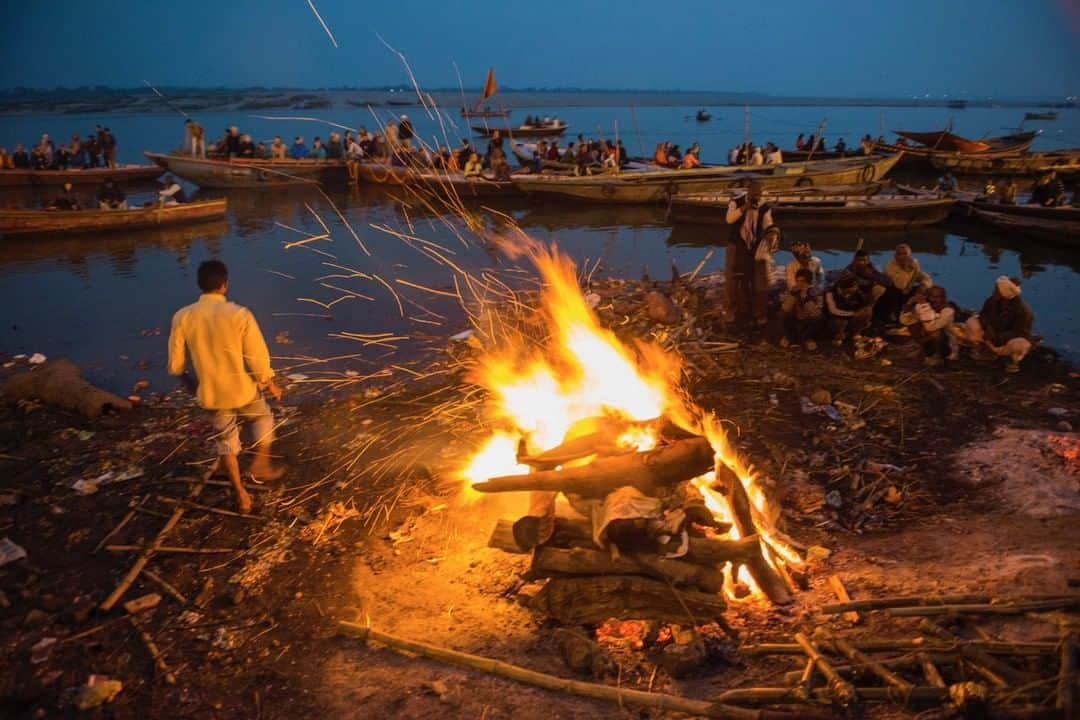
842, 48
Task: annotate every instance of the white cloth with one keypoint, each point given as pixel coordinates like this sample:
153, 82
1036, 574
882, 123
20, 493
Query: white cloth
1007, 287
814, 266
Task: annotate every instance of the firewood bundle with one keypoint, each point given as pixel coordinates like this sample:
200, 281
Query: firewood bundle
639, 541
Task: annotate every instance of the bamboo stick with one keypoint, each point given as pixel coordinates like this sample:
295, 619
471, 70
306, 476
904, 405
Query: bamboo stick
155, 653
1066, 686
172, 549
904, 661
996, 670
206, 508
552, 682
119, 526
903, 601
1011, 608
841, 592
918, 695
841, 688
866, 646
874, 666
930, 671
166, 586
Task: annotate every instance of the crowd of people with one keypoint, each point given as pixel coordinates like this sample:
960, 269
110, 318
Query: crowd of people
98, 149
860, 304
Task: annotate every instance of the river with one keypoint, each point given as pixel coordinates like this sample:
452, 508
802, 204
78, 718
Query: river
106, 301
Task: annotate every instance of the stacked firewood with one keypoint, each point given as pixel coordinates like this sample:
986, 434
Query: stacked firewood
638, 540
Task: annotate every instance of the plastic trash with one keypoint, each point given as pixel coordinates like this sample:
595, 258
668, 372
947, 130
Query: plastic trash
10, 552
37, 359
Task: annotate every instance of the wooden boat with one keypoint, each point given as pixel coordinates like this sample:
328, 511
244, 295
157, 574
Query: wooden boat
1063, 213
25, 222
402, 103
804, 155
521, 130
1065, 162
645, 186
939, 143
957, 104
86, 176
1058, 232
703, 116
811, 210
250, 173
490, 88
375, 173
1040, 116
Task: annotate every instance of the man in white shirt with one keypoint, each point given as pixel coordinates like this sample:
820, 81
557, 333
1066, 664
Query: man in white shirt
232, 364
906, 278
930, 318
805, 260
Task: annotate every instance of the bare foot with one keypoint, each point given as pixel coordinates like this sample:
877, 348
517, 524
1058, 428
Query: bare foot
266, 473
243, 502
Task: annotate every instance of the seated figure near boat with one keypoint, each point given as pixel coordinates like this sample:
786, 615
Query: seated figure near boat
6, 163
246, 148
1003, 326
660, 156
553, 152
171, 193
850, 308
318, 150
906, 278
112, 197
66, 200
805, 260
871, 280
801, 311
947, 183
1049, 191
929, 316
571, 157
757, 158
773, 156
800, 142
299, 150
1008, 193
675, 157
473, 167
278, 151
691, 159
840, 147
20, 159
334, 149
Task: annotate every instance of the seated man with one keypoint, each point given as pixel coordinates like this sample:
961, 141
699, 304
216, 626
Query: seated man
278, 151
850, 309
871, 281
1048, 191
171, 193
690, 160
299, 150
318, 150
929, 315
905, 277
112, 197
20, 159
473, 166
1004, 324
66, 200
805, 260
801, 310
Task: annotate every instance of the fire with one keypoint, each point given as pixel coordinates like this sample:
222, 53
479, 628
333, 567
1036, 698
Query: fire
542, 388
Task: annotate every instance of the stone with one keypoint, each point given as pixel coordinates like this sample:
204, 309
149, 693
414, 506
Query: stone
1064, 426
683, 656
660, 309
35, 617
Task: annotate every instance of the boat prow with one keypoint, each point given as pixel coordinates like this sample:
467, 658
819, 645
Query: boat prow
28, 222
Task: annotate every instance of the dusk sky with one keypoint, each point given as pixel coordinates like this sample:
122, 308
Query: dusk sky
842, 48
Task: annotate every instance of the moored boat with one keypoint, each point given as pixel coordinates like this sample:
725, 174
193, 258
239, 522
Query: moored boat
376, 173
82, 176
645, 186
1055, 231
703, 115
811, 210
1040, 116
25, 222
249, 173
933, 144
522, 130
1064, 162
1062, 213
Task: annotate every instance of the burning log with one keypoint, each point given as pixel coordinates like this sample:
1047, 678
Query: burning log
763, 573
593, 599
648, 471
548, 561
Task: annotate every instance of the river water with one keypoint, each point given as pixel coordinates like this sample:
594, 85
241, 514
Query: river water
106, 301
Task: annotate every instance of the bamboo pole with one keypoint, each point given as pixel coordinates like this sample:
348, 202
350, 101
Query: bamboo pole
1010, 608
120, 525
841, 688
155, 653
919, 643
166, 586
873, 665
918, 695
930, 671
206, 508
1066, 686
902, 601
551, 682
841, 592
172, 549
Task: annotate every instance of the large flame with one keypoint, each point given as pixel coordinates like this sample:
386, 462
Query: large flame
542, 387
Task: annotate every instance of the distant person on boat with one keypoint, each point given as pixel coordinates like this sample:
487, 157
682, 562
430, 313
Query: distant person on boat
6, 162
840, 147
805, 260
947, 183
906, 278
660, 155
66, 200
78, 153
553, 152
47, 150
569, 156
758, 157
464, 152
390, 130
112, 197
278, 151
246, 148
20, 159
299, 150
63, 158
801, 311
171, 193
1003, 325
866, 144
850, 309
747, 256
675, 157
365, 140
93, 151
773, 156
733, 156
194, 138
334, 148
108, 149
318, 150
989, 192
405, 132
474, 166
800, 142
929, 317
232, 370
494, 146
1008, 195
1049, 191
691, 160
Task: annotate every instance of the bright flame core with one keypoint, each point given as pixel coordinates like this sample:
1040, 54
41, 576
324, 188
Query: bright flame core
542, 387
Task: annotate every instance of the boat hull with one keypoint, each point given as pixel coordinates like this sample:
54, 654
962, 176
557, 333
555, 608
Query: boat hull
1064, 162
27, 222
504, 131
456, 183
663, 185
874, 213
1061, 214
1056, 232
244, 173
89, 176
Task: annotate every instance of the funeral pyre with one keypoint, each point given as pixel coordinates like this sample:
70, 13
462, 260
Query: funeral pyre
633, 491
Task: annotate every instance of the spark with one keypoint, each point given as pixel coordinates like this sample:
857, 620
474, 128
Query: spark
322, 22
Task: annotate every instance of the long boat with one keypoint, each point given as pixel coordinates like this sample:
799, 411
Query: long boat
1065, 162
521, 130
1040, 116
1062, 213
80, 176
938, 144
663, 185
1058, 232
808, 210
250, 173
25, 222
376, 173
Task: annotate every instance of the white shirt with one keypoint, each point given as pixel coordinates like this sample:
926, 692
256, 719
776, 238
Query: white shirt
774, 158
814, 266
227, 349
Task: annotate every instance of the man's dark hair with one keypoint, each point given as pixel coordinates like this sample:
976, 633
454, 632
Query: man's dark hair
212, 275
861, 253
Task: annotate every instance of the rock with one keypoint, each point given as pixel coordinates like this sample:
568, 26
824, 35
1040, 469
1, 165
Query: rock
821, 396
98, 691
35, 617
1064, 426
683, 656
834, 499
660, 309
1058, 412
582, 655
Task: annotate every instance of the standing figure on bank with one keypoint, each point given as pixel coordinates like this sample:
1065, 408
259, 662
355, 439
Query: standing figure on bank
747, 256
232, 368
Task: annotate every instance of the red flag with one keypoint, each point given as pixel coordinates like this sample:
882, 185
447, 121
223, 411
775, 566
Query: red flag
489, 85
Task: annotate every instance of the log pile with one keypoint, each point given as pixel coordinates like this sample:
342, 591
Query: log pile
638, 541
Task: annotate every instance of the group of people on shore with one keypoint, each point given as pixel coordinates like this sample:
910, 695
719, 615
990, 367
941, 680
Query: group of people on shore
860, 304
98, 149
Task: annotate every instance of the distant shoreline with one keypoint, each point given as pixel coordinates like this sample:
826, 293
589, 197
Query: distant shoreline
204, 100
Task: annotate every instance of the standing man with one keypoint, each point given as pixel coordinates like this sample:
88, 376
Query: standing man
746, 277
196, 138
232, 364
